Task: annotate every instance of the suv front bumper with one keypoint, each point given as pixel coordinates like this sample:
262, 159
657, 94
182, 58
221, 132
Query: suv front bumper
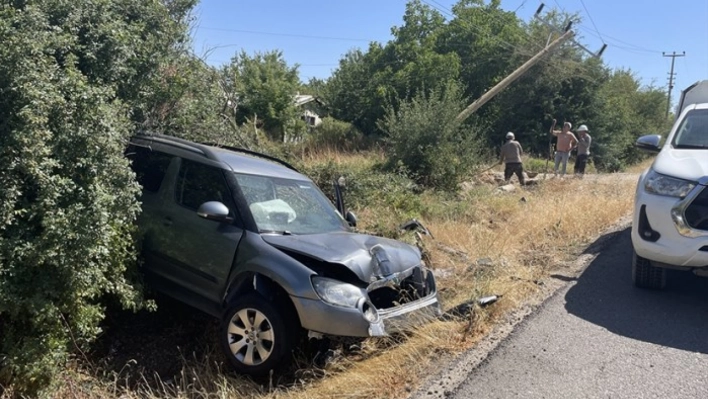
677, 245
321, 317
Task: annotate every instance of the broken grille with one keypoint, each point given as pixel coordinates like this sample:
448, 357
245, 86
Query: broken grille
417, 284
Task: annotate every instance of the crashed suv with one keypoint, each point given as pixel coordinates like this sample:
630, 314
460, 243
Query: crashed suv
246, 238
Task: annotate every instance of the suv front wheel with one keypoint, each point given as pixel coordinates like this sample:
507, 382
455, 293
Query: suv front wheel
255, 337
644, 275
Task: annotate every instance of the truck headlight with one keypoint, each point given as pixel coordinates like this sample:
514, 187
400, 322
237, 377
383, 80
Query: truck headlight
659, 184
336, 292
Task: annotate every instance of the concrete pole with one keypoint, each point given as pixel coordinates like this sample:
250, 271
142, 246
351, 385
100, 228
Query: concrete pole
511, 78
671, 78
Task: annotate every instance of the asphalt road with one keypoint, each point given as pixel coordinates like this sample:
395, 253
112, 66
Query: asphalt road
599, 337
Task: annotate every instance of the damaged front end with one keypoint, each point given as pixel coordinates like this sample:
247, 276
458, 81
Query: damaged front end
363, 285
402, 299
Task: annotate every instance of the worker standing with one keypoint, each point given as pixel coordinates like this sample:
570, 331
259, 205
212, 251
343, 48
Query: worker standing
584, 141
565, 143
511, 153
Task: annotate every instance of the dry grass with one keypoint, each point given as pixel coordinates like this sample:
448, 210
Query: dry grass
499, 244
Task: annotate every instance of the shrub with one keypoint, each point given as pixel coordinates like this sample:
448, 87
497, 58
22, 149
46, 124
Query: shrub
71, 75
335, 135
368, 186
425, 141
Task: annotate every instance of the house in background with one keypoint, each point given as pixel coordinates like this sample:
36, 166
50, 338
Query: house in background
311, 107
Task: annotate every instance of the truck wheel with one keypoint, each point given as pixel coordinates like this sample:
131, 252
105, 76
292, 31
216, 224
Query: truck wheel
644, 275
255, 336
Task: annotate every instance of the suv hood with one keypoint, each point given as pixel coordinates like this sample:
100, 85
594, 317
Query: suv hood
689, 164
369, 257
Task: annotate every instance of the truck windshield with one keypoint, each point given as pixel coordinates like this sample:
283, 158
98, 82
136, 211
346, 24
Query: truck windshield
286, 206
693, 130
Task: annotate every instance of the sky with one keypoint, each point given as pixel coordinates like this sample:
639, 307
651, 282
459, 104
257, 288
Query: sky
316, 33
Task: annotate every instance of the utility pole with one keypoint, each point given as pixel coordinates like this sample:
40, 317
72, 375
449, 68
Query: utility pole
671, 76
512, 77
567, 34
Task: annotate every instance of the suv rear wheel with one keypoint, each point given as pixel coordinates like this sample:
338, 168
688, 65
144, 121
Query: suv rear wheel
644, 275
255, 337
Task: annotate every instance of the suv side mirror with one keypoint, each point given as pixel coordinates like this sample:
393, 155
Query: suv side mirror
649, 143
214, 210
351, 218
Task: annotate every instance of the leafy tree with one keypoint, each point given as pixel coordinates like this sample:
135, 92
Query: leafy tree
264, 87
627, 111
71, 77
366, 82
425, 141
187, 100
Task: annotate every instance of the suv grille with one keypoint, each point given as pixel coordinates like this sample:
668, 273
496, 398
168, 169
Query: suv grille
697, 212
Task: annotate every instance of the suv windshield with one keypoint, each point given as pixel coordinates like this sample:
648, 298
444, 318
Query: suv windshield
289, 206
693, 131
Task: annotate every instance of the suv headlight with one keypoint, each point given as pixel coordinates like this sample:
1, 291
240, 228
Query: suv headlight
659, 184
336, 292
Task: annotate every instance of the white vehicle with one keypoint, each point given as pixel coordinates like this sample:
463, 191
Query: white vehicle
670, 225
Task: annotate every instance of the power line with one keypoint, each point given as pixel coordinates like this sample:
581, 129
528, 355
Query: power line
349, 39
591, 20
638, 48
633, 50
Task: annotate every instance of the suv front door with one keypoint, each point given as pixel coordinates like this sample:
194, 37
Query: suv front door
196, 253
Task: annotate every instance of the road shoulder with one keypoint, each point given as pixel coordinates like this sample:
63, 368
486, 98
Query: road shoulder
453, 372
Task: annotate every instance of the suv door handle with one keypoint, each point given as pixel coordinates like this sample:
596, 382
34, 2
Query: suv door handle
167, 221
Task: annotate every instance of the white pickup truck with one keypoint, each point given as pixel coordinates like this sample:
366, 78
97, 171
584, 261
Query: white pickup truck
670, 225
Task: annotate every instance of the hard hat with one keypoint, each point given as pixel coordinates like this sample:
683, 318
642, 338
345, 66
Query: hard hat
583, 128
510, 136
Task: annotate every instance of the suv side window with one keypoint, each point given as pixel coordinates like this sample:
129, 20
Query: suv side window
199, 183
149, 166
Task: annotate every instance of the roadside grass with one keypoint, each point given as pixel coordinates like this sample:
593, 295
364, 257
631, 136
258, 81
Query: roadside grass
484, 242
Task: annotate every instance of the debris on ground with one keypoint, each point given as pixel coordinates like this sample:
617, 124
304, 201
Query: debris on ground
507, 188
415, 225
488, 300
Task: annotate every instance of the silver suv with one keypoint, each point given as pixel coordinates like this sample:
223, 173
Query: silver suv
246, 238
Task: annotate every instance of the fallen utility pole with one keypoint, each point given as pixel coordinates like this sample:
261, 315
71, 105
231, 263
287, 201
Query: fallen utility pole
512, 77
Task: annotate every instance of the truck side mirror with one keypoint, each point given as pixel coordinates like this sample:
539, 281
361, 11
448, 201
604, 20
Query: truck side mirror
649, 143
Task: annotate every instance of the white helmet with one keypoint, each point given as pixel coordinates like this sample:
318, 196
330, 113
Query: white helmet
510, 136
583, 128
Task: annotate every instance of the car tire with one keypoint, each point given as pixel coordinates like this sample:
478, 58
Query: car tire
644, 275
255, 335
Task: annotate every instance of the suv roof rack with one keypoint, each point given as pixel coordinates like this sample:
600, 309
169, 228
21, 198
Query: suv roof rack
204, 147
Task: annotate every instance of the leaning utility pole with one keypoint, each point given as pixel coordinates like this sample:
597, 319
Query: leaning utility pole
671, 76
513, 76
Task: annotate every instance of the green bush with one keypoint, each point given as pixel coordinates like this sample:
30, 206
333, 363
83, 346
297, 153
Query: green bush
425, 141
71, 76
368, 186
336, 135
538, 165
